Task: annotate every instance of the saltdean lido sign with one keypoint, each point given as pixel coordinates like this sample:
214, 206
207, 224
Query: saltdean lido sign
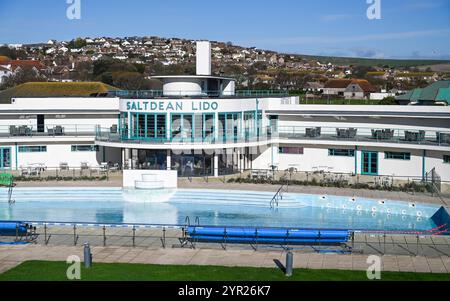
171, 106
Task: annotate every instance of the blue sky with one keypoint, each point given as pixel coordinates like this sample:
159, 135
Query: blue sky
407, 29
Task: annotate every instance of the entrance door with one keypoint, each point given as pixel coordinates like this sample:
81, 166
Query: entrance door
40, 123
369, 163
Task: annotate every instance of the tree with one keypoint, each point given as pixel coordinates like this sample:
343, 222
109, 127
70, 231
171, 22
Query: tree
12, 53
77, 43
130, 81
22, 75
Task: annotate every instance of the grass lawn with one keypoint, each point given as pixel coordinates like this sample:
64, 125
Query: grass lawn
56, 271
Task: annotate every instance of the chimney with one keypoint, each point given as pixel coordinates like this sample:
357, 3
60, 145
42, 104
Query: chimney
203, 58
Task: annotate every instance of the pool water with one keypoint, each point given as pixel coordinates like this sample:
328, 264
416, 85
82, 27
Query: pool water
214, 208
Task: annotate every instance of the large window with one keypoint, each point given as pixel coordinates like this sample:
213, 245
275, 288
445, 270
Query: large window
148, 126
341, 152
182, 126
85, 148
397, 156
291, 150
33, 149
230, 126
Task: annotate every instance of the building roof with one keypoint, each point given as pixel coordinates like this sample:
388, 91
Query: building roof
19, 63
314, 85
54, 89
344, 83
437, 91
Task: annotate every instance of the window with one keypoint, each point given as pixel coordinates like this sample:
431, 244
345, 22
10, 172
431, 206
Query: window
341, 152
291, 150
397, 156
446, 158
5, 157
33, 149
85, 148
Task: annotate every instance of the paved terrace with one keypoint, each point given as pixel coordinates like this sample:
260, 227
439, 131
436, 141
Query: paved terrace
11, 256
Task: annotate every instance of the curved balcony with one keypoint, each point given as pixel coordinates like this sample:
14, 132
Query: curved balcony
404, 138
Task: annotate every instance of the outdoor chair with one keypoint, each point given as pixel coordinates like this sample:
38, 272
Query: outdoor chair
63, 166
352, 133
59, 130
113, 129
421, 136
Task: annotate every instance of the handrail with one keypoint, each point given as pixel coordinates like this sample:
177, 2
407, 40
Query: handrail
436, 191
279, 195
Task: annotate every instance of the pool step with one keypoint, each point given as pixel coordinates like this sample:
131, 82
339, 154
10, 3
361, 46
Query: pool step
229, 198
149, 182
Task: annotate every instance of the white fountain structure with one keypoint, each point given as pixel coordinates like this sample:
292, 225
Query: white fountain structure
149, 182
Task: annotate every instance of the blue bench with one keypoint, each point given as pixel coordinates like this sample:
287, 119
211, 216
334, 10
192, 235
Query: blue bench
268, 236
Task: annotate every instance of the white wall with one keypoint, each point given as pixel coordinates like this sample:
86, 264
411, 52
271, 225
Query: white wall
317, 157
57, 153
203, 58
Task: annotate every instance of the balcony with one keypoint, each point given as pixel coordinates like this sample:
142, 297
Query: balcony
363, 134
183, 137
289, 134
149, 94
27, 131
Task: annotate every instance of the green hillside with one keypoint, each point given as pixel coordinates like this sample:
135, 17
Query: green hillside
54, 89
394, 63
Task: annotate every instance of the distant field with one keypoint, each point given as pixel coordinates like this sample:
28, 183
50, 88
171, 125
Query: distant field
377, 62
437, 68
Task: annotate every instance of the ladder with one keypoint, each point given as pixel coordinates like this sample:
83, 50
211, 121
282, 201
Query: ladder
274, 203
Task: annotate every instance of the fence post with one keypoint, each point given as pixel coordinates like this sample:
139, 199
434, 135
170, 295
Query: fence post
104, 236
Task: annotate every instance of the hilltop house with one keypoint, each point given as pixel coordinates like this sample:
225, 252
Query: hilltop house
349, 88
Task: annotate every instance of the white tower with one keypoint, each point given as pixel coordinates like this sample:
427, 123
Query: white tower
203, 58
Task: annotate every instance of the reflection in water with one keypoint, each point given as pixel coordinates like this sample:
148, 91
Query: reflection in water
148, 196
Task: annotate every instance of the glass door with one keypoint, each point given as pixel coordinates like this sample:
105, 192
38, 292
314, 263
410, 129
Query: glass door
369, 163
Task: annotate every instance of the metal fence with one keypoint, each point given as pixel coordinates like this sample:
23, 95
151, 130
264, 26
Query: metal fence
411, 243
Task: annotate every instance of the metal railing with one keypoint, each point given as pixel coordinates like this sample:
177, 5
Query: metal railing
49, 130
144, 94
274, 202
267, 134
429, 243
366, 134
143, 137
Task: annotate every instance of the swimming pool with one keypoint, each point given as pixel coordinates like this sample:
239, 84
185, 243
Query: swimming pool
214, 208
